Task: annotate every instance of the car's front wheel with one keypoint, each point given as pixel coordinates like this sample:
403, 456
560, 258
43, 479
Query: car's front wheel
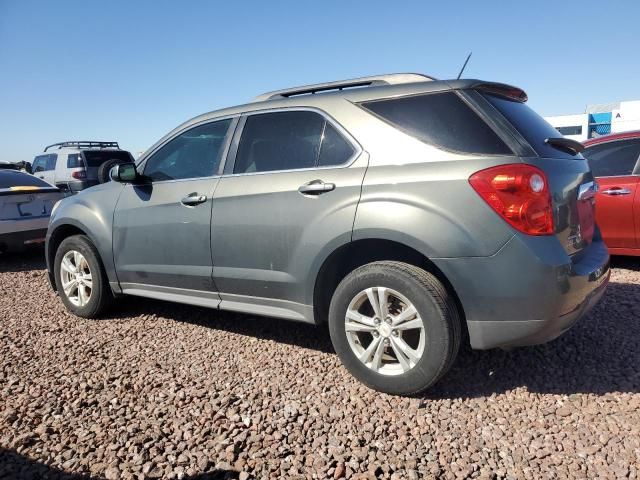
394, 326
80, 278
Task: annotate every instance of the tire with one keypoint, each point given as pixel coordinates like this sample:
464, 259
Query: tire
99, 295
433, 348
105, 168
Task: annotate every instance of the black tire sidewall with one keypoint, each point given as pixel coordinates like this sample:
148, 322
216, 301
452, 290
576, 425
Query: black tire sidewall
105, 168
437, 330
82, 245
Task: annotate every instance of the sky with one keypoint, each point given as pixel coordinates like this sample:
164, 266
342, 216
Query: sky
130, 71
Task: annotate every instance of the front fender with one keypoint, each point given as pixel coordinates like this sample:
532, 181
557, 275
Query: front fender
91, 212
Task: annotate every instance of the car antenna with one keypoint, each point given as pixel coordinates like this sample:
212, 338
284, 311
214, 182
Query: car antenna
464, 66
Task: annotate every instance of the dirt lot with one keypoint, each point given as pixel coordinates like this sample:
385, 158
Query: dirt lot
168, 391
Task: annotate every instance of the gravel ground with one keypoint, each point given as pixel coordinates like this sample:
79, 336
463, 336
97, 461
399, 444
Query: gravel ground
167, 391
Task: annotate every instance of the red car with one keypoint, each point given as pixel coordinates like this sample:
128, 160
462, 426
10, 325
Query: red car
614, 160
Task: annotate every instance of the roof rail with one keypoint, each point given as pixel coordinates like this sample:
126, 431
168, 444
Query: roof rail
373, 81
84, 144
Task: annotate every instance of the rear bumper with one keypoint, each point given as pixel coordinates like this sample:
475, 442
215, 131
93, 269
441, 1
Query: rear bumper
528, 293
19, 240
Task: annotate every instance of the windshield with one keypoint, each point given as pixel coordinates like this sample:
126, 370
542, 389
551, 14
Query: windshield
531, 126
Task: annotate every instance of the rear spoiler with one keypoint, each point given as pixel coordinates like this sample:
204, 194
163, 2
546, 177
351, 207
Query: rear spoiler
22, 190
503, 90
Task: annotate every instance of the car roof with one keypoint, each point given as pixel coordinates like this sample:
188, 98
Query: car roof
611, 137
292, 97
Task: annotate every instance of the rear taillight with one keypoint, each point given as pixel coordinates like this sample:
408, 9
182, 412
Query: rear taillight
79, 175
520, 195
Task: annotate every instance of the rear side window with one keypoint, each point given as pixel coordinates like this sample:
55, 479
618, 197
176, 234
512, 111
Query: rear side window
440, 119
74, 160
613, 159
531, 126
334, 149
95, 158
289, 141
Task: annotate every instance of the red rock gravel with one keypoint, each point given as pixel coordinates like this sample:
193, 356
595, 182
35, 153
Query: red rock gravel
167, 391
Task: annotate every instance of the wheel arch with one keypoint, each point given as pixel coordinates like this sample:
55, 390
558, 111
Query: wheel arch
58, 233
352, 255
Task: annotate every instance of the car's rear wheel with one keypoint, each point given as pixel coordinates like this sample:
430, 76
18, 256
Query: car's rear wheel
394, 326
80, 278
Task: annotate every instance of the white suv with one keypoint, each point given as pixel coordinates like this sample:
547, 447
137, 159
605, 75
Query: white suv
74, 166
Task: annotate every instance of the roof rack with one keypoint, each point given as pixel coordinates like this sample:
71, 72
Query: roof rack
373, 81
84, 144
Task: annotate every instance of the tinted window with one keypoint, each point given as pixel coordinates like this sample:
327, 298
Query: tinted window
279, 141
95, 158
40, 163
613, 159
51, 161
531, 126
10, 178
441, 119
334, 149
573, 130
195, 153
43, 163
74, 160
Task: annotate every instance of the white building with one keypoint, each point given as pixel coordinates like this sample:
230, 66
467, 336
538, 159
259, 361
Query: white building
599, 119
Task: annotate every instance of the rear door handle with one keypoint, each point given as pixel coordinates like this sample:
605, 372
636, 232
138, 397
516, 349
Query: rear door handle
616, 191
316, 187
193, 199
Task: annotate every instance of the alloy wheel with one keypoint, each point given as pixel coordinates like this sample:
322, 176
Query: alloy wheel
385, 331
75, 274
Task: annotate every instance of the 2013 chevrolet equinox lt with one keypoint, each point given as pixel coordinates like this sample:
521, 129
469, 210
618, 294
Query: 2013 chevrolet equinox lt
406, 212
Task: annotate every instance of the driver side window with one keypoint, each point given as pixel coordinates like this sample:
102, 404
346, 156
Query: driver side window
195, 153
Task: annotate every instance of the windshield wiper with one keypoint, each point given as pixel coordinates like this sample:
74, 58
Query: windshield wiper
566, 144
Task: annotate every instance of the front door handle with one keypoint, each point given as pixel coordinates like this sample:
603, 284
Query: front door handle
193, 199
616, 191
316, 187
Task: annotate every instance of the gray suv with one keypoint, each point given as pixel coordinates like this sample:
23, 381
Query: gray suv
409, 214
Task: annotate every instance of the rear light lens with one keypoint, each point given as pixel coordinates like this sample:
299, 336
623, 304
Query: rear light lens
520, 195
79, 175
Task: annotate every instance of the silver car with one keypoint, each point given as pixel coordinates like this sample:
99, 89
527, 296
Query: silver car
25, 205
409, 213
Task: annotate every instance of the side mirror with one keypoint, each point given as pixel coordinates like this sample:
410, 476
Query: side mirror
124, 173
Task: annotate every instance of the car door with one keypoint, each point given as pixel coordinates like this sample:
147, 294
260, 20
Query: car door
289, 192
162, 227
617, 213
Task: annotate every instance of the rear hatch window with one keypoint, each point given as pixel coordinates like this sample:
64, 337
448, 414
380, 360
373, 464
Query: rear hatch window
440, 119
95, 158
11, 179
531, 126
